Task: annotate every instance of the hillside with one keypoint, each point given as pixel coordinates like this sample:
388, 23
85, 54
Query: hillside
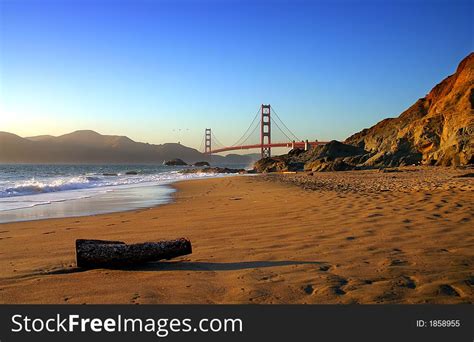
437, 130
89, 147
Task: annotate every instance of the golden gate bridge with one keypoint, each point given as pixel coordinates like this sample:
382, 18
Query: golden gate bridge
269, 120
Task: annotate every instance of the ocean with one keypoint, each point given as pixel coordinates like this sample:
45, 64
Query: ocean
31, 192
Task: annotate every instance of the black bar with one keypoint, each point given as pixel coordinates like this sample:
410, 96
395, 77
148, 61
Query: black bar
261, 322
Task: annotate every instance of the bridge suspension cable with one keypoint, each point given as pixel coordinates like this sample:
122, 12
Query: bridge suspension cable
215, 140
246, 141
286, 135
240, 141
201, 146
249, 135
281, 121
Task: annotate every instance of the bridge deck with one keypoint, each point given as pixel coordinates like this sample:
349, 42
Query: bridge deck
296, 144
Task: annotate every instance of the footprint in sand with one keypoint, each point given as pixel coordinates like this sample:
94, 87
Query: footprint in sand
387, 297
336, 283
134, 298
308, 289
51, 232
405, 281
398, 262
396, 251
448, 290
374, 215
324, 268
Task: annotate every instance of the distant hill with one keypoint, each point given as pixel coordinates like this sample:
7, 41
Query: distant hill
40, 138
242, 159
89, 147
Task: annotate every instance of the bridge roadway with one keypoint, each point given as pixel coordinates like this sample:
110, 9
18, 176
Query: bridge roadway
296, 144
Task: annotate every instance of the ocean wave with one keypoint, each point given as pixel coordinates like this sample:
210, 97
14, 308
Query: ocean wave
36, 186
33, 186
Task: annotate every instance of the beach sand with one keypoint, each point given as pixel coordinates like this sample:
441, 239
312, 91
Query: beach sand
347, 237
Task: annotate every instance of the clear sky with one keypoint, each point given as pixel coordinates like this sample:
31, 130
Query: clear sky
146, 68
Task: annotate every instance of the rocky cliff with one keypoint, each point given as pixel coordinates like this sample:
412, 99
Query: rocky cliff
437, 130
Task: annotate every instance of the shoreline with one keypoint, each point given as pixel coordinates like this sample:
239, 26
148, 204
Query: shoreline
51, 208
259, 240
98, 204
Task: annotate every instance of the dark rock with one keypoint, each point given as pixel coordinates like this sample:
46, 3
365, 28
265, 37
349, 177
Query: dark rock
326, 164
109, 174
201, 164
334, 156
296, 152
278, 164
213, 170
175, 162
131, 173
334, 149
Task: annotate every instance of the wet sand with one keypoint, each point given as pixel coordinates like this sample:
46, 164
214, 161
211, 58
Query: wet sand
347, 237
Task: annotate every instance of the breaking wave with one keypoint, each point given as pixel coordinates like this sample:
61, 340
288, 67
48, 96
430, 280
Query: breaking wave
40, 186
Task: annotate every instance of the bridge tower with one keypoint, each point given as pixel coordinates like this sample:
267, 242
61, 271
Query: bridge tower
207, 146
265, 131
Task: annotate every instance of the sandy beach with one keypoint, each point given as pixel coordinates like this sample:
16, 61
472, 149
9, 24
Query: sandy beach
335, 237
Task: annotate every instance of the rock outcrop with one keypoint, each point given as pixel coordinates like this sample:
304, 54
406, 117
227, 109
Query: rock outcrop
201, 164
213, 170
334, 156
437, 130
293, 161
175, 162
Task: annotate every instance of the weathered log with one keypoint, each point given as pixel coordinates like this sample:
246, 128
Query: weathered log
103, 254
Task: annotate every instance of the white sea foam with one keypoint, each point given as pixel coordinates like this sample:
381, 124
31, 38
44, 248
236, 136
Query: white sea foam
34, 192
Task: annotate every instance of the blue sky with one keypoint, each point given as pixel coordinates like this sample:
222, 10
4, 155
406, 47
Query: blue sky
146, 68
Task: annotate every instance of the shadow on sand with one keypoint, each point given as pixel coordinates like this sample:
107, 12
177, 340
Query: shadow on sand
215, 266
195, 266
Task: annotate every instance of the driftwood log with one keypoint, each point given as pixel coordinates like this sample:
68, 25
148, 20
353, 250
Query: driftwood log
100, 253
